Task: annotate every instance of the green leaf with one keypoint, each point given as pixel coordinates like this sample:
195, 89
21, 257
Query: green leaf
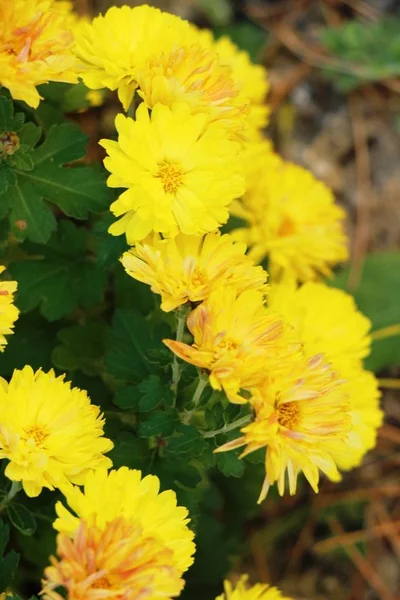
76, 191
42, 175
21, 518
9, 121
377, 297
129, 451
29, 135
160, 423
130, 339
82, 348
4, 183
219, 12
130, 292
229, 464
4, 537
66, 97
176, 470
368, 51
23, 161
109, 248
8, 566
60, 276
29, 215
31, 344
187, 440
153, 391
128, 398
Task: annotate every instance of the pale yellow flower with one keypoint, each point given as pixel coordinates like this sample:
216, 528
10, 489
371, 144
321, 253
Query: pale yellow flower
293, 220
187, 268
117, 561
237, 340
300, 417
136, 33
119, 505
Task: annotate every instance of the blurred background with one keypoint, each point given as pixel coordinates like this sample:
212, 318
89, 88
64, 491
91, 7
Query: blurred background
334, 71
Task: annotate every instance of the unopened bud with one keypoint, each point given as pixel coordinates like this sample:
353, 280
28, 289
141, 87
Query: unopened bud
9, 143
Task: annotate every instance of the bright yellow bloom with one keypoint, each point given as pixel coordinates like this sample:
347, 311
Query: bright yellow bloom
49, 432
8, 311
242, 591
115, 562
187, 268
121, 505
293, 219
136, 34
366, 418
250, 79
183, 178
300, 416
237, 339
325, 320
35, 47
193, 74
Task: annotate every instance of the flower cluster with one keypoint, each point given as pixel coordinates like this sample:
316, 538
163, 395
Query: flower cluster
127, 540
189, 153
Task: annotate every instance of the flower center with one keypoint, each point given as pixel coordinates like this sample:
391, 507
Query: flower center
287, 227
289, 415
38, 434
171, 175
198, 277
225, 347
101, 583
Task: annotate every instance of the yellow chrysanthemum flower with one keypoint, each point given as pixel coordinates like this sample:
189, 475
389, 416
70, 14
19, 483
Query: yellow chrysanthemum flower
193, 74
49, 432
237, 340
250, 79
293, 219
187, 268
242, 591
115, 562
137, 34
299, 417
182, 179
366, 418
35, 47
325, 320
342, 333
8, 311
114, 506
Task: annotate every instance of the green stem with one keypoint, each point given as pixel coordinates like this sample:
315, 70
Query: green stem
201, 385
181, 315
234, 425
16, 486
132, 107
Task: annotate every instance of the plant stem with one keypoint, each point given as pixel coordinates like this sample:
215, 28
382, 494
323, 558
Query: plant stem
181, 315
229, 427
16, 486
201, 385
132, 108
